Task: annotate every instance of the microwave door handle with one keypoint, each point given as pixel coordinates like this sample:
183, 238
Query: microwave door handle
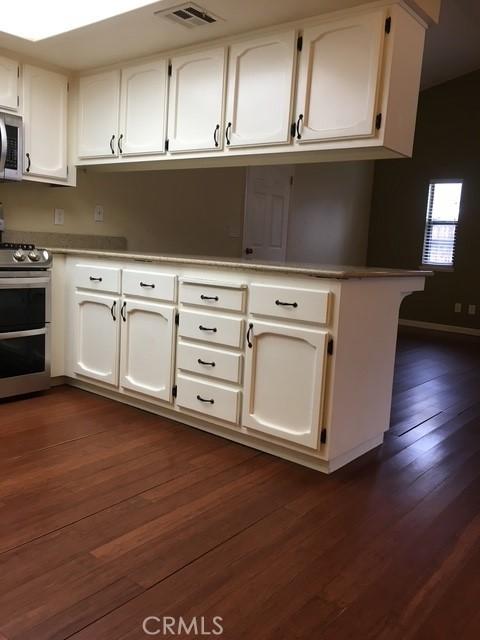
3, 144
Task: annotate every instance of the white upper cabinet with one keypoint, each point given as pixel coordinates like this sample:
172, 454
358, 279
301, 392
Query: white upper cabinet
143, 109
260, 90
196, 101
9, 72
147, 339
339, 78
98, 111
45, 107
284, 380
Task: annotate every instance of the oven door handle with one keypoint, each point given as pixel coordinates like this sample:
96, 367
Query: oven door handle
22, 334
3, 144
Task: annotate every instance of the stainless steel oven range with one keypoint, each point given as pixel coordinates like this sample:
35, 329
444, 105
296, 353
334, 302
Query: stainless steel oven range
25, 314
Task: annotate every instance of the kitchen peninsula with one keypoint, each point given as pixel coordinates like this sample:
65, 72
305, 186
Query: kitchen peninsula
295, 360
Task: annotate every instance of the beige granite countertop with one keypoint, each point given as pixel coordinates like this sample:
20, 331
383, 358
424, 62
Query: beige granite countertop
307, 269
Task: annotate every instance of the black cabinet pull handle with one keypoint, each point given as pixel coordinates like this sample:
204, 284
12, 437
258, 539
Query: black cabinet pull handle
299, 122
205, 400
120, 148
215, 298
112, 310
92, 279
122, 312
215, 135
249, 334
209, 364
286, 304
112, 148
29, 162
147, 286
212, 329
227, 132
249, 251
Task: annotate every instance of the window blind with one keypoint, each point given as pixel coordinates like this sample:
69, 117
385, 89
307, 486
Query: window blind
443, 212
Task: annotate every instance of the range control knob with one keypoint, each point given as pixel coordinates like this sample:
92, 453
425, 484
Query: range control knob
34, 256
19, 256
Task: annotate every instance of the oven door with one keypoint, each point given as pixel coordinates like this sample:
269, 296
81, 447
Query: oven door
24, 302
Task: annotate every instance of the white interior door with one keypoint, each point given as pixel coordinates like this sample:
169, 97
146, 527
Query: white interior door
339, 78
45, 99
260, 89
148, 335
98, 113
284, 380
196, 101
9, 72
267, 204
143, 109
97, 337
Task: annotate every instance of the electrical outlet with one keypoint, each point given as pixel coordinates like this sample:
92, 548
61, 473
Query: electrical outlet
98, 213
458, 307
59, 216
472, 309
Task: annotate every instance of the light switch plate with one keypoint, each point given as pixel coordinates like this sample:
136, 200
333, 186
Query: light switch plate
59, 216
98, 213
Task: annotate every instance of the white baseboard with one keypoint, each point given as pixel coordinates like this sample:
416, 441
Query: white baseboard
433, 326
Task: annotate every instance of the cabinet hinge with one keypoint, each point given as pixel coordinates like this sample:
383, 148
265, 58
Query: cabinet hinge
67, 169
174, 391
170, 70
167, 144
18, 71
323, 436
291, 181
388, 25
177, 318
68, 87
293, 129
18, 101
330, 347
299, 43
378, 121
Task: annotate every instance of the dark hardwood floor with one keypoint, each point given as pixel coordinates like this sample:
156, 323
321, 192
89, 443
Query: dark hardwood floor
109, 515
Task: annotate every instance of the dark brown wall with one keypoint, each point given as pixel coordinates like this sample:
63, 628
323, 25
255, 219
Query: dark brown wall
447, 145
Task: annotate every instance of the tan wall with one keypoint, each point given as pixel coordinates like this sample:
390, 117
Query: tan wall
188, 211
330, 213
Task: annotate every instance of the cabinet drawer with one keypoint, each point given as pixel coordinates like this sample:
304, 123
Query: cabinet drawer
97, 278
146, 284
211, 328
308, 305
208, 398
215, 363
211, 296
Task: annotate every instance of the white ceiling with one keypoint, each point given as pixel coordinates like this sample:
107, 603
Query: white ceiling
452, 48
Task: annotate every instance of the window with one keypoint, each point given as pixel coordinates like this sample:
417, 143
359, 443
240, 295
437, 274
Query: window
443, 211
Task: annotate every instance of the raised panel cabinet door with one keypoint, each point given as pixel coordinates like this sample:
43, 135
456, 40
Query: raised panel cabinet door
45, 106
260, 90
148, 334
143, 109
97, 337
339, 78
9, 72
98, 113
196, 101
284, 380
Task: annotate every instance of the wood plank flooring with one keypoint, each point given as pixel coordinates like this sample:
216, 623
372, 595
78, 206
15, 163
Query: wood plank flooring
109, 515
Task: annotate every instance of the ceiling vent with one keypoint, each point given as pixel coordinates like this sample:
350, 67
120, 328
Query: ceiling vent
189, 15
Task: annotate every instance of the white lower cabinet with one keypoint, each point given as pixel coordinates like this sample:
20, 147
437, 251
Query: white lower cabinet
147, 339
209, 398
284, 381
98, 336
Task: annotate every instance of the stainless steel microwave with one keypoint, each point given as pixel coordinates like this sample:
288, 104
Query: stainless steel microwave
11, 146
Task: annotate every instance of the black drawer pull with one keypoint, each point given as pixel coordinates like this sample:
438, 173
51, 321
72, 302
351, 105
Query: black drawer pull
215, 298
209, 364
227, 133
215, 135
204, 400
249, 334
213, 329
147, 286
122, 311
112, 310
286, 304
92, 279
299, 122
